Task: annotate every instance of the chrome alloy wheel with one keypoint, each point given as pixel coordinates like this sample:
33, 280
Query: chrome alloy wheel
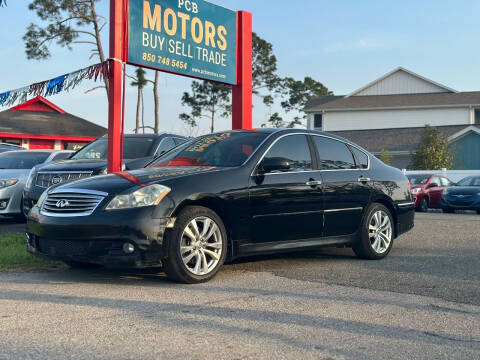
380, 232
201, 246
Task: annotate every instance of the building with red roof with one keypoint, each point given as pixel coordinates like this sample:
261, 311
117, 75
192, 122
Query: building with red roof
40, 124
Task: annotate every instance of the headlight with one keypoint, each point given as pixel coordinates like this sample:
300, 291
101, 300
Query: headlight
41, 199
29, 182
147, 196
416, 190
7, 183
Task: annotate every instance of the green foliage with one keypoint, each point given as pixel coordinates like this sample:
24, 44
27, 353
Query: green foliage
140, 81
385, 156
208, 100
432, 152
14, 255
66, 22
276, 121
264, 69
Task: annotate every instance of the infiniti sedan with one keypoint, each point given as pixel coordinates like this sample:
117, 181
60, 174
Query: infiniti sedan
224, 196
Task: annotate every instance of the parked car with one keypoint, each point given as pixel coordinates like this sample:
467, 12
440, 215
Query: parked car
224, 196
464, 195
9, 147
14, 169
427, 189
91, 160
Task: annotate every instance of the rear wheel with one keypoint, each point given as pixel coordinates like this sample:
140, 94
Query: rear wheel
197, 246
376, 237
423, 207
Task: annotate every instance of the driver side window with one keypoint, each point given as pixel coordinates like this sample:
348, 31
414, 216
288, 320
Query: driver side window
295, 150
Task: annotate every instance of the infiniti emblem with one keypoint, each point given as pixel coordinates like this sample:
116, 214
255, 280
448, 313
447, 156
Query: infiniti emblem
56, 180
62, 203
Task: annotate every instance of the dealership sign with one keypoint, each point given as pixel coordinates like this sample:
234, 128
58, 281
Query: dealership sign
192, 38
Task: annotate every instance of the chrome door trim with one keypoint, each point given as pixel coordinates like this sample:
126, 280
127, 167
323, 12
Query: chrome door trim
407, 204
346, 209
307, 134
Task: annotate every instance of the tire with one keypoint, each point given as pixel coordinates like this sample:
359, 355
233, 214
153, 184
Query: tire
373, 244
423, 207
81, 265
448, 211
478, 212
202, 235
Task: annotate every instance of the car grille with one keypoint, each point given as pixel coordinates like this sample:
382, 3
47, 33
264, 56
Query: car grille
62, 247
46, 180
70, 204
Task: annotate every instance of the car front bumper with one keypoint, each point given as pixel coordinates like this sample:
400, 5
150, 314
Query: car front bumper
467, 203
11, 199
99, 239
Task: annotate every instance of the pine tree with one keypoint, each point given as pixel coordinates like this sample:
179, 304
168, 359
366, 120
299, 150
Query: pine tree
432, 152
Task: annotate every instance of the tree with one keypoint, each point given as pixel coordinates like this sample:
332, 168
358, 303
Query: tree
264, 68
385, 156
207, 100
432, 152
155, 100
67, 22
299, 92
140, 82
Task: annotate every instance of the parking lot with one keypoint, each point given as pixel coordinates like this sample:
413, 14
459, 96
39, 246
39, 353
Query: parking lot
423, 301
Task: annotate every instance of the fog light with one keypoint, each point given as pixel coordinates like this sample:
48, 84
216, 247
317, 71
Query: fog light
128, 248
3, 204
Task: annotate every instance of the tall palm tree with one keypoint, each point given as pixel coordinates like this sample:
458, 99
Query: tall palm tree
140, 82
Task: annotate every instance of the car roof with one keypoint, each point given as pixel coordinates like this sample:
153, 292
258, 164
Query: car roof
150, 136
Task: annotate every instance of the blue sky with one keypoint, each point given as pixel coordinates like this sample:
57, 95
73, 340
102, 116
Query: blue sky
343, 44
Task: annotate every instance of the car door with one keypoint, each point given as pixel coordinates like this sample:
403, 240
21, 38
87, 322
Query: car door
346, 186
435, 193
286, 205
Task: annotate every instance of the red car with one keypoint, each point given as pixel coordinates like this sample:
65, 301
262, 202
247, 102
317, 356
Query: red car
428, 189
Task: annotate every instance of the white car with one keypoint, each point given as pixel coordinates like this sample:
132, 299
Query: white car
14, 169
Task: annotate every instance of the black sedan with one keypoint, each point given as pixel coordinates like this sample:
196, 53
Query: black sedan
464, 195
224, 196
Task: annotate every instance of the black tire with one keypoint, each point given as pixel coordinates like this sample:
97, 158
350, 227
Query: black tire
82, 265
448, 210
174, 265
478, 212
423, 206
363, 248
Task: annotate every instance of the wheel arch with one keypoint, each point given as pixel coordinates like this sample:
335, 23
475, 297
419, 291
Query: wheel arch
388, 203
215, 204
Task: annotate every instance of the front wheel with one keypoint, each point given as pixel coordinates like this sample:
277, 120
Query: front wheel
376, 236
196, 247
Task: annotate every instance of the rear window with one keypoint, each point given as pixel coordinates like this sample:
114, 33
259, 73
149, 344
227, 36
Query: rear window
22, 160
361, 157
334, 155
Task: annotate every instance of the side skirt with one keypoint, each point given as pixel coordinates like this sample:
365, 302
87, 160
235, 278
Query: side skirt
295, 245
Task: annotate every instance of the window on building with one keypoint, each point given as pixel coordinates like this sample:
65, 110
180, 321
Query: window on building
318, 121
334, 155
10, 141
477, 116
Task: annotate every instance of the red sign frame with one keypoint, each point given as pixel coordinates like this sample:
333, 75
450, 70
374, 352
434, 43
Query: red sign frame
242, 91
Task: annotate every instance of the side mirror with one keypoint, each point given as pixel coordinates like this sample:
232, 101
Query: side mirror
274, 164
432, 185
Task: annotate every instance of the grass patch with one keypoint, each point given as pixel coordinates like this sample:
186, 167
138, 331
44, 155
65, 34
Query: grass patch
14, 256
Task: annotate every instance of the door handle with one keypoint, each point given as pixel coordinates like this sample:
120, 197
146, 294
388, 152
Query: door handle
314, 183
364, 179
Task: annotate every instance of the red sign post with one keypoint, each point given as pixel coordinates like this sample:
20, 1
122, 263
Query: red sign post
242, 90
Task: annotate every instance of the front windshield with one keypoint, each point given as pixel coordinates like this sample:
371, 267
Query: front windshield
418, 179
227, 149
22, 160
133, 148
469, 181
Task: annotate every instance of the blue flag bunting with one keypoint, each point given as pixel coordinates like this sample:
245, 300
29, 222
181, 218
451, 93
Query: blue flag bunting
4, 96
2, 2
55, 85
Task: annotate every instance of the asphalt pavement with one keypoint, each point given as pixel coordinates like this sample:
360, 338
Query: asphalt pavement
422, 302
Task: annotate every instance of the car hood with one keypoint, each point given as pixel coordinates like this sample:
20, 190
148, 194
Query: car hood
464, 190
79, 165
19, 174
119, 182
